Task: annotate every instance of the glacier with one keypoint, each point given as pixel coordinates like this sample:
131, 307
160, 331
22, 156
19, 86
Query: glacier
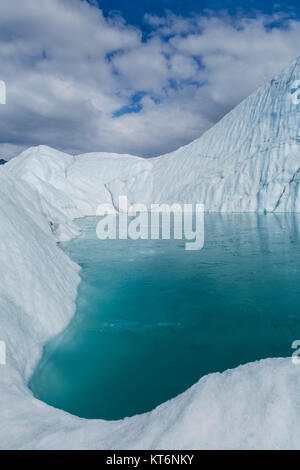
249, 161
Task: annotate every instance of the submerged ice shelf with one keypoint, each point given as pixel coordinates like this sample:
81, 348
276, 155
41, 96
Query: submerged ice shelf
152, 318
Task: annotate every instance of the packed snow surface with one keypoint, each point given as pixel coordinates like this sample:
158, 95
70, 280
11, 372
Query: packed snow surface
249, 161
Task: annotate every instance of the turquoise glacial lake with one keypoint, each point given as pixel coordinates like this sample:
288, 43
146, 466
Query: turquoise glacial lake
153, 318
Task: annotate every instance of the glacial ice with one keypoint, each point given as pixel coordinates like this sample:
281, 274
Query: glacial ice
249, 161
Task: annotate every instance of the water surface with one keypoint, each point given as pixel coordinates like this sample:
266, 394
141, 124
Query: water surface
153, 318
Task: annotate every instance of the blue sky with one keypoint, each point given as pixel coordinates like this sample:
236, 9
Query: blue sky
133, 11
141, 77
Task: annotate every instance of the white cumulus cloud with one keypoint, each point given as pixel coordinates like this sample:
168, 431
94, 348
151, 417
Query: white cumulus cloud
81, 82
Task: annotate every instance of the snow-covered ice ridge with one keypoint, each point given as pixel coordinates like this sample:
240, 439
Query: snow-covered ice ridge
249, 161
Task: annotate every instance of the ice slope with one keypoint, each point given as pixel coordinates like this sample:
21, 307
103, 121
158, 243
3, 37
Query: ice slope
75, 186
249, 161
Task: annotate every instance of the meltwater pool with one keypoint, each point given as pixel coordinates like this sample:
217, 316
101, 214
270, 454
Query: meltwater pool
153, 318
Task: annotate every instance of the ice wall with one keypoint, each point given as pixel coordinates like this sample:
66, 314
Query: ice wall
249, 161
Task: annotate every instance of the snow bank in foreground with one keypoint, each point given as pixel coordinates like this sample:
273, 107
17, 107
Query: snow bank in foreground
249, 162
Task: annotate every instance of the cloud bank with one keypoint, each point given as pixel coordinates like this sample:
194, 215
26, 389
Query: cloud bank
80, 82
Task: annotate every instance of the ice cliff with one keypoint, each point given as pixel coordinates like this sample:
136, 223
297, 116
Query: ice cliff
249, 161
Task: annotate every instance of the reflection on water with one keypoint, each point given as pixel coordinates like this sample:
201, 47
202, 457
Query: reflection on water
153, 318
